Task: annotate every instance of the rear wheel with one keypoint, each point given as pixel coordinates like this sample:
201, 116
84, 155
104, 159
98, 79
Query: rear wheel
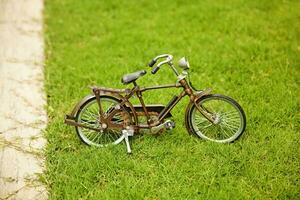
229, 119
88, 115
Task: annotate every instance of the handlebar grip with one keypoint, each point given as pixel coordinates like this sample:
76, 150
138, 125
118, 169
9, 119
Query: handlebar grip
151, 63
153, 71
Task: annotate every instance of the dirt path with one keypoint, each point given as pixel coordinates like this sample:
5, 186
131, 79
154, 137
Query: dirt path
22, 101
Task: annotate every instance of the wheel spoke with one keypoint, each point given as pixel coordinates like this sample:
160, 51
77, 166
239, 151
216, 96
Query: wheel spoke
229, 113
91, 113
225, 132
89, 133
233, 118
84, 121
232, 126
114, 132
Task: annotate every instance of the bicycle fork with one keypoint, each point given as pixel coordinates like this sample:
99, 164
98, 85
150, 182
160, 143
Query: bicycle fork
206, 113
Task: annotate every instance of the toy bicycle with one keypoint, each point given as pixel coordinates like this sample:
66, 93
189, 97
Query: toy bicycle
108, 117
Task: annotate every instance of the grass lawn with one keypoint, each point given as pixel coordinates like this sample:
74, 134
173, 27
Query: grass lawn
249, 50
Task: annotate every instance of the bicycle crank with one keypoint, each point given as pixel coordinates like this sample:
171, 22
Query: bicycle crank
167, 124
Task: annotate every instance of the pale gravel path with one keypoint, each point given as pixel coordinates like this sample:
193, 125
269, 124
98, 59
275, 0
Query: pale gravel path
22, 100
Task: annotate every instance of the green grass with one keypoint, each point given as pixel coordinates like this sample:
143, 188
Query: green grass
249, 50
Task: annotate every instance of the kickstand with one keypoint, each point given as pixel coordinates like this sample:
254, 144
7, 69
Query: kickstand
126, 133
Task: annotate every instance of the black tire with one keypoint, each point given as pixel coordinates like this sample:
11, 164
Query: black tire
230, 119
88, 114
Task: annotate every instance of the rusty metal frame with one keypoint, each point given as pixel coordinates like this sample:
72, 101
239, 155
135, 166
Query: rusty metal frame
125, 94
137, 90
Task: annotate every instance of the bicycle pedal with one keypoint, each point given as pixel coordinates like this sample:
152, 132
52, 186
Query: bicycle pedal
170, 125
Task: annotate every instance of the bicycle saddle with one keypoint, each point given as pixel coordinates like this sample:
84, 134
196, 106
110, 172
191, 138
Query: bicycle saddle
128, 78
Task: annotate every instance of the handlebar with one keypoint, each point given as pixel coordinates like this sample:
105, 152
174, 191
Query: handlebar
168, 60
154, 70
151, 63
158, 66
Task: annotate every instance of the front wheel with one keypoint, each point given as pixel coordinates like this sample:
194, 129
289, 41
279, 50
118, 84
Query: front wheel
229, 120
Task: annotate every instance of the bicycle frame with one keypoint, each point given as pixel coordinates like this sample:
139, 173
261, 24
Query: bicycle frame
137, 90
